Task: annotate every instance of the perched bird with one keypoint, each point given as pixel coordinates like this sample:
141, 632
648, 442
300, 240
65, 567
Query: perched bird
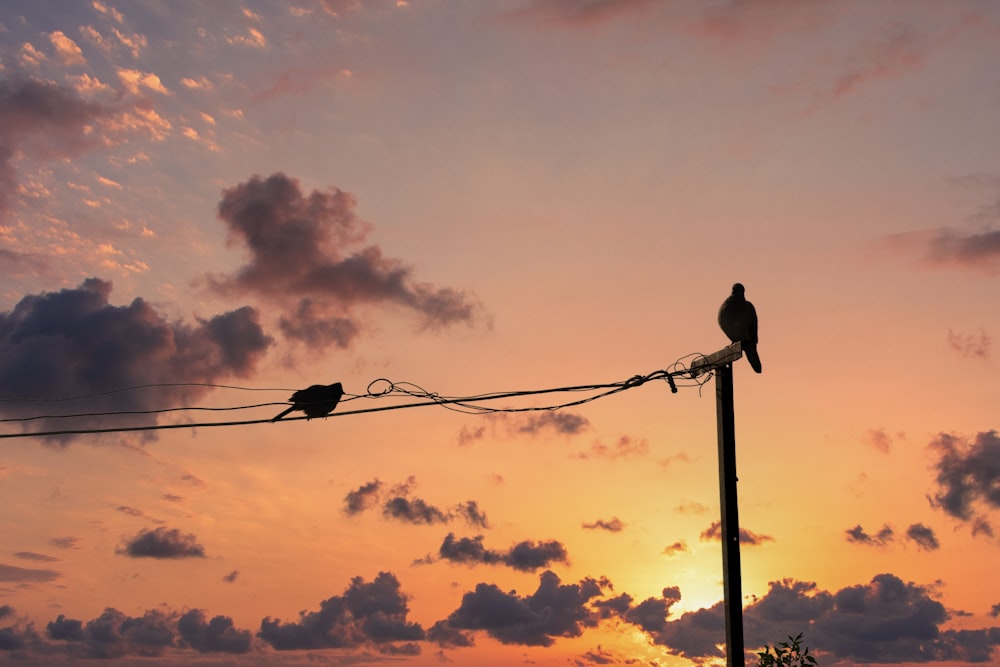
738, 319
318, 400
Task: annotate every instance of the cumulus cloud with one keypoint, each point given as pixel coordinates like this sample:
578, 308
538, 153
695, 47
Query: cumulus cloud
73, 343
162, 543
42, 120
714, 533
307, 254
217, 635
368, 613
553, 610
114, 634
526, 556
884, 621
967, 476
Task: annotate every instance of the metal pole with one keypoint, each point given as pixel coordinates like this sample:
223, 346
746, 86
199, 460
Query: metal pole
731, 579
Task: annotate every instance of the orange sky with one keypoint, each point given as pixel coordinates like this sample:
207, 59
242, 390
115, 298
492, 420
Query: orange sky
200, 199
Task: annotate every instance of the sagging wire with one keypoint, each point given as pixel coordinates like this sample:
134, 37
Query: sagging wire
678, 374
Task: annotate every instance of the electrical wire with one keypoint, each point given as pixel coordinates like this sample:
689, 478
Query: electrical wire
678, 374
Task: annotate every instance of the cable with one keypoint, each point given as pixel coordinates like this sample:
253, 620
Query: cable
460, 404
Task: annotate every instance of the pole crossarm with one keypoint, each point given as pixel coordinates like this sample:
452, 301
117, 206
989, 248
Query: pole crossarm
723, 357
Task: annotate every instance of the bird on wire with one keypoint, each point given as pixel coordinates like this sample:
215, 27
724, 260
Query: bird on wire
738, 319
319, 400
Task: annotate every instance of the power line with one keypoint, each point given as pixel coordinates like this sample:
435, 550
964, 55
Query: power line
461, 404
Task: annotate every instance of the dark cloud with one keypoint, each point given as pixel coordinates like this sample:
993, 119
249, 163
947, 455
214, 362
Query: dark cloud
553, 610
884, 621
26, 574
65, 629
73, 343
362, 498
413, 511
114, 634
612, 525
470, 512
309, 325
970, 345
444, 635
923, 536
714, 532
163, 543
468, 550
18, 636
44, 120
396, 504
217, 635
526, 556
995, 610
880, 539
231, 577
968, 476
651, 614
529, 556
366, 614
306, 251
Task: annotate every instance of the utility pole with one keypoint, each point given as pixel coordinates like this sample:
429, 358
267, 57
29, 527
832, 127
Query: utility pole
721, 363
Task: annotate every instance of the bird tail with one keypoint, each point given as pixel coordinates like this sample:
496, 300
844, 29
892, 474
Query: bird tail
283, 413
750, 349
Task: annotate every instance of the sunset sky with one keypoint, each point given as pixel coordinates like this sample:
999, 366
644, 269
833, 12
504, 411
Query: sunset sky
215, 204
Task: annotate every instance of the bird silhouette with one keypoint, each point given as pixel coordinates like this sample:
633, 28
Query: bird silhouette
738, 319
319, 400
